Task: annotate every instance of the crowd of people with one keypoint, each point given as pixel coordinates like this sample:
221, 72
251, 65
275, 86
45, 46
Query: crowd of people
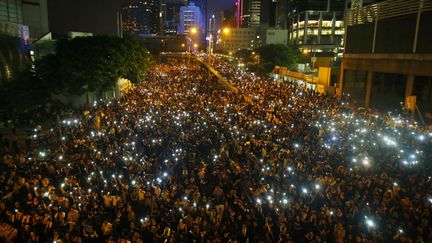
182, 159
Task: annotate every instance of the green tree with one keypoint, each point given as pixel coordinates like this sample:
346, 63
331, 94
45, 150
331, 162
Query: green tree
93, 64
277, 55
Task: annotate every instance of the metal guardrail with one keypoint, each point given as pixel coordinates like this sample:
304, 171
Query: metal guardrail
386, 9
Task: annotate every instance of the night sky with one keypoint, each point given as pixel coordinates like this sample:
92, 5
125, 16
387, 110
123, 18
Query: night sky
99, 16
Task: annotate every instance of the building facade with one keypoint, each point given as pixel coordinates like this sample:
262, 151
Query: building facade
35, 16
141, 17
173, 16
256, 13
191, 16
31, 13
20, 23
276, 36
237, 38
388, 55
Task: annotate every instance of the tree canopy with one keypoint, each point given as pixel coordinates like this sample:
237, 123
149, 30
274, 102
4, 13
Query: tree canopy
278, 55
93, 64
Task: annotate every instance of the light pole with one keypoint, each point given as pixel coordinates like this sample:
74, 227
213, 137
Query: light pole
212, 24
225, 31
192, 31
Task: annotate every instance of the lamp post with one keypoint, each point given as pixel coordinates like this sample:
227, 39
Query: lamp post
192, 31
225, 31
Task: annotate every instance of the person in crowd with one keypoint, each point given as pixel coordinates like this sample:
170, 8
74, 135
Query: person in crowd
180, 158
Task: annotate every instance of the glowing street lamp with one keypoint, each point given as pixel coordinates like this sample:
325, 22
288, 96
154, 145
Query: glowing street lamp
226, 30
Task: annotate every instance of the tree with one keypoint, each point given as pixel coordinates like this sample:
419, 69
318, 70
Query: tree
93, 64
277, 55
245, 55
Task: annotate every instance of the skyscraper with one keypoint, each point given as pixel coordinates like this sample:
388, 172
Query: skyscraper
256, 13
11, 11
141, 17
32, 13
191, 16
173, 15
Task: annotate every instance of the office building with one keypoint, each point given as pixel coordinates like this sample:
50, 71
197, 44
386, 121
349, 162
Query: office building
234, 39
35, 16
256, 13
20, 23
173, 16
31, 13
388, 55
141, 17
276, 36
191, 16
316, 26
162, 16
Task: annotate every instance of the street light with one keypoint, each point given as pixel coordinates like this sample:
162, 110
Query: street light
192, 31
226, 30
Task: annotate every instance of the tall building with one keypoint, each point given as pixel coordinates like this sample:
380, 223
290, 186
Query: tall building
228, 18
316, 26
141, 17
203, 5
239, 5
20, 22
11, 11
256, 13
31, 13
281, 17
191, 16
235, 39
388, 55
35, 16
173, 16
162, 16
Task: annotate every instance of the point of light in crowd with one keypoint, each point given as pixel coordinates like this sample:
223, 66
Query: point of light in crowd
370, 223
365, 161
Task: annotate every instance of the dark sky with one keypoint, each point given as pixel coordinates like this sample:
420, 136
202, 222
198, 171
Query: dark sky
99, 16
215, 6
96, 16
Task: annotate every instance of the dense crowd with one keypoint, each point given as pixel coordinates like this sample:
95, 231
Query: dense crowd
182, 159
